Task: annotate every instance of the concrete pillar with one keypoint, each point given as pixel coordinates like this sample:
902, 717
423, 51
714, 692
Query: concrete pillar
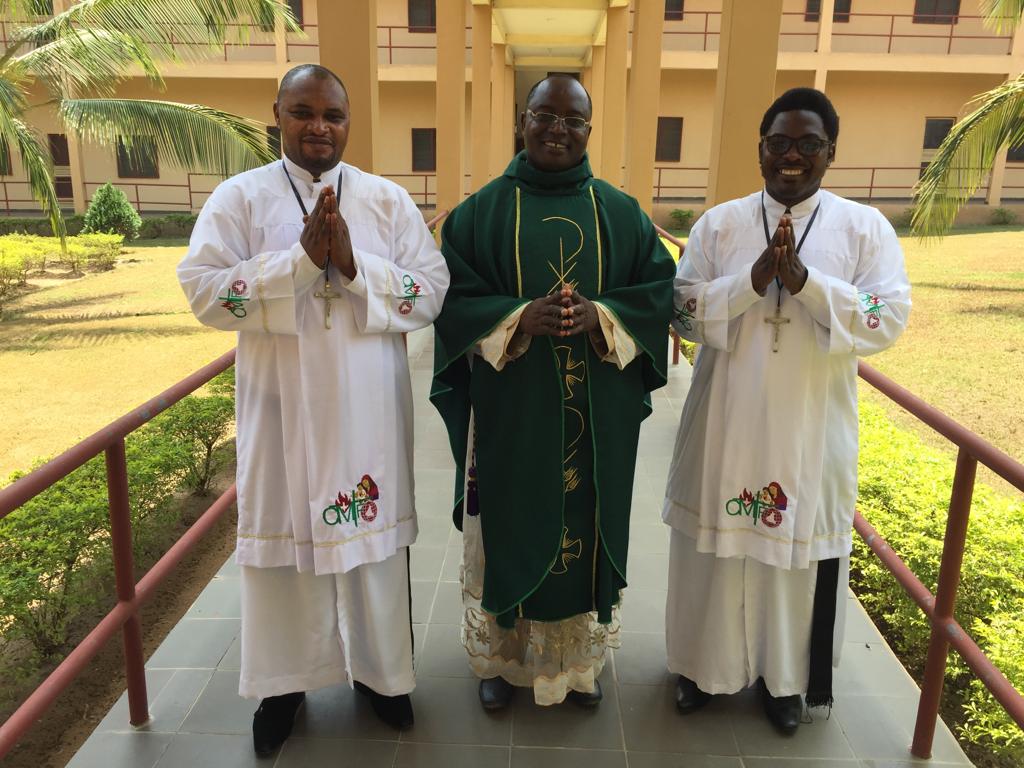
479, 127
350, 51
995, 185
509, 116
597, 95
745, 87
644, 99
451, 101
825, 17
76, 158
614, 137
501, 131
280, 47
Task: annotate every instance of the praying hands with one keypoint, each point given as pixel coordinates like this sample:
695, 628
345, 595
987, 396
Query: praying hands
780, 260
565, 313
325, 235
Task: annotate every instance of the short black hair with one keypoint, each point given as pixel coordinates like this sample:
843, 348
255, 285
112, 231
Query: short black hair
313, 70
809, 99
561, 76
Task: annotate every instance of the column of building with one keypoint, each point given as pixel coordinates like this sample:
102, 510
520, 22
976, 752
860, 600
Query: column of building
613, 140
479, 129
450, 102
644, 99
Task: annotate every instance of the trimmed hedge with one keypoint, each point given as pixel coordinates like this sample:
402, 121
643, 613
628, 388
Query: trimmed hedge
904, 492
169, 225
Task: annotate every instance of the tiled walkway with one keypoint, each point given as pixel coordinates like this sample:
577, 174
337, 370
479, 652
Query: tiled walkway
198, 720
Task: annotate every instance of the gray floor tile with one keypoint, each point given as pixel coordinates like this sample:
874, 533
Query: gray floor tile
566, 724
339, 712
452, 563
207, 750
433, 532
536, 757
870, 669
874, 728
121, 750
643, 610
659, 760
755, 736
425, 562
220, 709
793, 762
196, 643
641, 659
648, 539
451, 714
337, 753
414, 755
859, 627
230, 568
232, 659
422, 600
649, 571
168, 708
220, 599
419, 636
443, 654
652, 724
911, 763
448, 605
117, 718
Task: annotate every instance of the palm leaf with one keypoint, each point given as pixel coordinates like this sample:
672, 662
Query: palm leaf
1002, 15
89, 61
186, 135
966, 157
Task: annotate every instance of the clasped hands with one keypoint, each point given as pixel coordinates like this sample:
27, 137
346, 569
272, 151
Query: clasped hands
780, 260
564, 313
325, 235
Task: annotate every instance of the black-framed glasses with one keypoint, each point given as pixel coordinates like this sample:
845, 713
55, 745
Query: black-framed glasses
549, 120
808, 146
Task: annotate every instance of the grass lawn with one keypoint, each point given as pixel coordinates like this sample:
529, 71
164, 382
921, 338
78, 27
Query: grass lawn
76, 354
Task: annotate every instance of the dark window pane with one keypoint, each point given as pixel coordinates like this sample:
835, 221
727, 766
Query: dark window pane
840, 12
935, 130
670, 140
1015, 154
424, 149
274, 139
137, 160
422, 15
5, 158
936, 11
62, 186
59, 148
673, 10
924, 167
296, 7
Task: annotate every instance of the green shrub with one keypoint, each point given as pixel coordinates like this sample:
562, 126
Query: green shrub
682, 218
38, 225
102, 250
1002, 217
200, 425
223, 383
170, 225
109, 211
904, 491
902, 220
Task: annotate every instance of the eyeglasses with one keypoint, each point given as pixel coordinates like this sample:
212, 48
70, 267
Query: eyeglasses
549, 121
808, 146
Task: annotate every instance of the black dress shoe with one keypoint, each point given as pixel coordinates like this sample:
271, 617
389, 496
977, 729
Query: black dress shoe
689, 698
587, 700
272, 722
783, 711
396, 711
495, 693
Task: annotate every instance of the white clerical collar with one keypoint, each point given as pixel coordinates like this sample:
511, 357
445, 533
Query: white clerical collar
775, 209
301, 174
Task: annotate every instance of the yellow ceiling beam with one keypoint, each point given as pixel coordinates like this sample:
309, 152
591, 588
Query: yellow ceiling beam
549, 41
549, 61
548, 5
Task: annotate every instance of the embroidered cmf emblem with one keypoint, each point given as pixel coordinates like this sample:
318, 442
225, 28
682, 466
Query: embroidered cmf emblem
413, 291
686, 314
234, 302
873, 307
766, 505
358, 503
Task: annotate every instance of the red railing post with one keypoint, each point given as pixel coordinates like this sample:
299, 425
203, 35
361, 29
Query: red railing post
945, 601
949, 47
892, 28
124, 579
707, 17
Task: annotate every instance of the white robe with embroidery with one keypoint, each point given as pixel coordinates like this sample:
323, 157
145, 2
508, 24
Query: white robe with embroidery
324, 416
765, 462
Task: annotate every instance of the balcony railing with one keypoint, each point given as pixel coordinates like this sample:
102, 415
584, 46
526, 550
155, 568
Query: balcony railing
906, 33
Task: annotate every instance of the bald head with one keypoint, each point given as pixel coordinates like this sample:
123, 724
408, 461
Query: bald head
303, 71
560, 81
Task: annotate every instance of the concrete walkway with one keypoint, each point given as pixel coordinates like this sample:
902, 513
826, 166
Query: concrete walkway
198, 720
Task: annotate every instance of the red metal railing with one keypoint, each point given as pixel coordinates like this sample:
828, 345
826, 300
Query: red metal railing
890, 27
665, 190
945, 631
130, 596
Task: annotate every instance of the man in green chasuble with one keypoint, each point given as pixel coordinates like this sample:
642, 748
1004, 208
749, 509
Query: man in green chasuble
551, 338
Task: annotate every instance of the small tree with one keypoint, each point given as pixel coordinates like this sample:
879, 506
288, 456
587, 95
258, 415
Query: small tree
111, 213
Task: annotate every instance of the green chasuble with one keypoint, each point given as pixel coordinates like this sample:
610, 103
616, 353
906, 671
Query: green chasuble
556, 429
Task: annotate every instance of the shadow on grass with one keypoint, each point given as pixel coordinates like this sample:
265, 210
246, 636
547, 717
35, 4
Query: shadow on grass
16, 313
55, 340
970, 287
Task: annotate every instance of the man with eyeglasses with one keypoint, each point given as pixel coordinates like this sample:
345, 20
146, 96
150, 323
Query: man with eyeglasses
783, 289
550, 340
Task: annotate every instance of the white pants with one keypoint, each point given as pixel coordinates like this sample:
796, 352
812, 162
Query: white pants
729, 621
301, 632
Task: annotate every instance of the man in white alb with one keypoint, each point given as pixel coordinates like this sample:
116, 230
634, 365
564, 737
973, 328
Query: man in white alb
783, 289
319, 267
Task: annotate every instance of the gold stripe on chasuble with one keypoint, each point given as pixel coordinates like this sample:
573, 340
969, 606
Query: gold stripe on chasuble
519, 268
597, 237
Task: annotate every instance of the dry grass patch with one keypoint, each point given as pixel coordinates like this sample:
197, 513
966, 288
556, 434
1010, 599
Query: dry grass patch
75, 354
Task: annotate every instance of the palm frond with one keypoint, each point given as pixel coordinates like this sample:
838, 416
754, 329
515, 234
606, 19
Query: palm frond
91, 61
1002, 15
171, 29
966, 157
24, 10
186, 135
